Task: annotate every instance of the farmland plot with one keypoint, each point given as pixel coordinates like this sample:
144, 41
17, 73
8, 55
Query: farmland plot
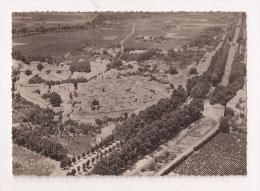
30, 163
224, 155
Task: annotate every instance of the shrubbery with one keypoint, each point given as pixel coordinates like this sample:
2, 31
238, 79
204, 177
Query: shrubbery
198, 86
33, 140
37, 126
28, 72
236, 81
218, 63
172, 70
55, 99
39, 66
36, 79
80, 67
17, 55
193, 71
116, 64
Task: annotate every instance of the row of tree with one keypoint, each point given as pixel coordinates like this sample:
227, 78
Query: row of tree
222, 94
80, 67
149, 137
218, 64
17, 55
35, 141
139, 125
198, 86
36, 79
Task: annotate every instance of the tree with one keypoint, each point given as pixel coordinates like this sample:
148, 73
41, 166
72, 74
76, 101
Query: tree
173, 71
98, 122
74, 159
36, 80
28, 72
65, 162
55, 99
105, 52
39, 66
224, 125
193, 71
115, 64
73, 172
78, 157
78, 168
83, 155
229, 112
80, 67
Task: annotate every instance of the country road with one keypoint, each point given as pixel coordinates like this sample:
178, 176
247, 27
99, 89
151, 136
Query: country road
231, 54
127, 37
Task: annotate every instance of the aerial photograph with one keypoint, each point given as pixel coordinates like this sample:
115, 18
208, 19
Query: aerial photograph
129, 93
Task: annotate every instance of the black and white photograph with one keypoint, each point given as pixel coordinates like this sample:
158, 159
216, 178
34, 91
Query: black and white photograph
143, 95
129, 93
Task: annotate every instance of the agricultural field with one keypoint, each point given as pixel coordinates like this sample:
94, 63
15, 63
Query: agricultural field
30, 163
60, 43
223, 155
54, 44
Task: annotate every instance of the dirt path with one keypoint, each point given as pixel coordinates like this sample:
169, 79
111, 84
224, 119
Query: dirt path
127, 37
231, 54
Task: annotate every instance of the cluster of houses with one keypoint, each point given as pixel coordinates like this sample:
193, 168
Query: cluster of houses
156, 38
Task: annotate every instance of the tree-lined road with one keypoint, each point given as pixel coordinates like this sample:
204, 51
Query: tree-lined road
231, 54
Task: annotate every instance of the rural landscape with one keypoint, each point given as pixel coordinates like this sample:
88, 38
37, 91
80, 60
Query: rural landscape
129, 93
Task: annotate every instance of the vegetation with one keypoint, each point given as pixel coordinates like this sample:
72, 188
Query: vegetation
55, 99
65, 162
207, 37
224, 125
198, 86
80, 67
142, 133
184, 58
116, 64
28, 72
70, 80
17, 55
35, 141
142, 138
172, 70
218, 64
39, 66
31, 113
193, 71
236, 81
36, 79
